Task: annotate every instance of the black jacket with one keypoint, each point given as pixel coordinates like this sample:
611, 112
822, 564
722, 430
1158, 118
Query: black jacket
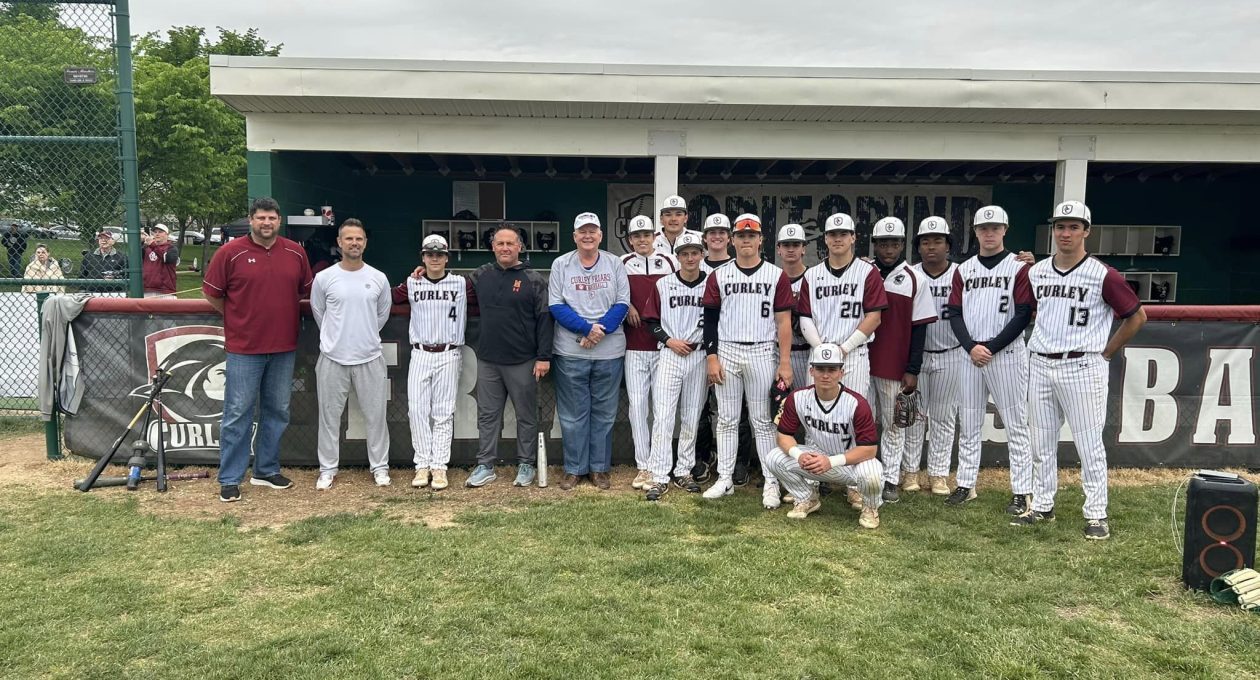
98, 266
516, 324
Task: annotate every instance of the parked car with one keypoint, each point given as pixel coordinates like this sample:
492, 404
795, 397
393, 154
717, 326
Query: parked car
66, 233
120, 236
197, 237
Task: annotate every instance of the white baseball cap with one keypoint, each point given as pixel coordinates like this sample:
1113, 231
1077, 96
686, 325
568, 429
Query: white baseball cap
747, 222
889, 227
1071, 210
933, 226
584, 219
840, 222
674, 202
161, 227
687, 239
717, 221
433, 243
791, 233
990, 214
826, 354
640, 223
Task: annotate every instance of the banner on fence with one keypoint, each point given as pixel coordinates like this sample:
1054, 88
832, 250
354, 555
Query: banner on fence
1182, 394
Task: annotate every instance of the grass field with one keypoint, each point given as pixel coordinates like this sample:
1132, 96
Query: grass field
188, 282
588, 584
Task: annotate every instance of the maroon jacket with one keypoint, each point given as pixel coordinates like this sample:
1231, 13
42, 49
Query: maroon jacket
158, 268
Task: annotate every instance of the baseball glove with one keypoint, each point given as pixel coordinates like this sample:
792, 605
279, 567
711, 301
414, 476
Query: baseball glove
778, 394
906, 409
1241, 587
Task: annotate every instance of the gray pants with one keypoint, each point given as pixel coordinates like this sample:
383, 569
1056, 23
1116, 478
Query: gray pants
495, 383
332, 385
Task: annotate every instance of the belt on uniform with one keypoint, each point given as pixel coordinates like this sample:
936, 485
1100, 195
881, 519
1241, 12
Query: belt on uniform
800, 348
942, 351
1061, 355
761, 342
434, 348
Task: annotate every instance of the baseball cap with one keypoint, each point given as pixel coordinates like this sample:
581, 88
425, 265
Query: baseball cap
674, 202
990, 214
107, 234
717, 221
826, 354
433, 243
161, 227
791, 233
747, 222
584, 219
933, 226
889, 227
1071, 210
640, 223
686, 240
840, 222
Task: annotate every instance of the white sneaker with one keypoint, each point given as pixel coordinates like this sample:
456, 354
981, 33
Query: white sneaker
802, 509
325, 481
770, 495
869, 518
722, 487
381, 477
421, 479
642, 480
439, 480
855, 498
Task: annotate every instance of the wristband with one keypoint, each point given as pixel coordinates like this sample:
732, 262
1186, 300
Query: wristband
853, 342
838, 460
795, 452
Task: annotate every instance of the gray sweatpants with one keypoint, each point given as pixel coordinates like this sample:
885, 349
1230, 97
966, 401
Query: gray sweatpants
333, 383
495, 383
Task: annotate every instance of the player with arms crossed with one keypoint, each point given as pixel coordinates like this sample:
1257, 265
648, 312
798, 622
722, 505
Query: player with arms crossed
989, 307
791, 252
673, 224
1076, 297
439, 308
816, 420
643, 267
675, 313
747, 308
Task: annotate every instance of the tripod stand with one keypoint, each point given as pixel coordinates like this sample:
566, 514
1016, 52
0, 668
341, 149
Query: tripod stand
152, 406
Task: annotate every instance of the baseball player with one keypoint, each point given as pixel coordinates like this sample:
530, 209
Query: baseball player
439, 309
990, 305
675, 313
817, 420
897, 351
643, 267
1076, 296
841, 301
942, 361
673, 224
717, 242
747, 308
791, 252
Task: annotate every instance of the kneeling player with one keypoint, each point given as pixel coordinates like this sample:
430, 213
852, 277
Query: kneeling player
829, 418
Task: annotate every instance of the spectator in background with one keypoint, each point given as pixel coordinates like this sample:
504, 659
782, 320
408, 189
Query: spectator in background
160, 258
15, 242
43, 267
105, 262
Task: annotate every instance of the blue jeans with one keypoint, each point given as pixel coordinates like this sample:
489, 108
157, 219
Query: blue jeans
586, 402
264, 381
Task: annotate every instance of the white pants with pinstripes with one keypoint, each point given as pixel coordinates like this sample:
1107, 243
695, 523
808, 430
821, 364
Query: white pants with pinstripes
432, 380
679, 389
1075, 389
882, 397
800, 370
750, 372
938, 387
640, 367
866, 477
1006, 379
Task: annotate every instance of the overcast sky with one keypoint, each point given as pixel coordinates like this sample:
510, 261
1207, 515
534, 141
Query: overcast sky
1166, 35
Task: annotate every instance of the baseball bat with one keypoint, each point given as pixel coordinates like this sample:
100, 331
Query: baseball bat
122, 481
542, 460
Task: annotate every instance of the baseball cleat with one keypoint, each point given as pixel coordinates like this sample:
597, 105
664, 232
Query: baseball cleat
940, 485
803, 509
642, 480
854, 497
439, 480
722, 487
1019, 504
381, 477
687, 483
1097, 529
890, 493
869, 518
910, 482
961, 495
702, 471
421, 478
325, 481
656, 490
740, 476
1033, 517
770, 495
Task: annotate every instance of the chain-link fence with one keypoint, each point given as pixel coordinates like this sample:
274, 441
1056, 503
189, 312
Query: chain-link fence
66, 134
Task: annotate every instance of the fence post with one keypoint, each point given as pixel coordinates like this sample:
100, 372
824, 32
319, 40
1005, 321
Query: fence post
52, 437
127, 145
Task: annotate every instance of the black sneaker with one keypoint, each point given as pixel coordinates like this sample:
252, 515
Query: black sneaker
824, 489
740, 476
687, 483
276, 481
1018, 504
891, 495
702, 471
961, 495
229, 493
1097, 529
1031, 517
656, 490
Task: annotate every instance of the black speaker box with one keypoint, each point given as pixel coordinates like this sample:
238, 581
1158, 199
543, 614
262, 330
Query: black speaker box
1220, 527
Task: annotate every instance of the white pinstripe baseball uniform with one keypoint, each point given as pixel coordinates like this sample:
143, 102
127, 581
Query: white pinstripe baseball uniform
830, 428
800, 346
748, 351
677, 306
438, 314
662, 246
708, 267
837, 300
1068, 375
938, 383
642, 350
987, 291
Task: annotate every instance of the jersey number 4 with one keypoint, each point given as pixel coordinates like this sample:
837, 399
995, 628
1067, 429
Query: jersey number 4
1078, 316
453, 316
